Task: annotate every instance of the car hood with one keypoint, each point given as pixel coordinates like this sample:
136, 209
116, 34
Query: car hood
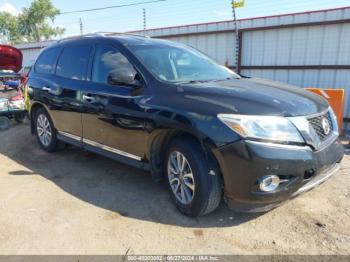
254, 97
10, 58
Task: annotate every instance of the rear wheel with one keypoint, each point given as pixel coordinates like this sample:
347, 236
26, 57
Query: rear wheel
194, 183
45, 131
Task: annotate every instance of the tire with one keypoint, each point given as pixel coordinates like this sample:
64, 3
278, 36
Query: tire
204, 190
4, 123
19, 118
50, 143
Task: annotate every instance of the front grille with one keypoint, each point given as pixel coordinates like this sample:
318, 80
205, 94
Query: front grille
317, 124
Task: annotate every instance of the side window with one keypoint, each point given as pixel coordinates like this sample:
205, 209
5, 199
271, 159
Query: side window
46, 61
112, 67
73, 62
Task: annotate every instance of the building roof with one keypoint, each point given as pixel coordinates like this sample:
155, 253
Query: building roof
289, 18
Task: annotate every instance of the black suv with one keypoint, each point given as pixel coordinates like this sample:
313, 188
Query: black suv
169, 109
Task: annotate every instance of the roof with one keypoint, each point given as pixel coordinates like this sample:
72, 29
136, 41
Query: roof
130, 39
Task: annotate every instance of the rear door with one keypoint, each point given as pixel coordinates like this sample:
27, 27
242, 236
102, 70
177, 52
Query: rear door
113, 119
71, 73
58, 77
42, 78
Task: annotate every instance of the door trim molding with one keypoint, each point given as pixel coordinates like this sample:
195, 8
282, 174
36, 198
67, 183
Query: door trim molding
101, 146
111, 149
78, 138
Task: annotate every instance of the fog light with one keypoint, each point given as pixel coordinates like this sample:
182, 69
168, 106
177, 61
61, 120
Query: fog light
269, 183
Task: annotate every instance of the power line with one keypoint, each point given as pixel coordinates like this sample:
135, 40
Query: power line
110, 7
157, 14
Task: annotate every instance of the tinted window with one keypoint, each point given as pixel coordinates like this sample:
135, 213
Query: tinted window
180, 63
110, 64
46, 62
73, 62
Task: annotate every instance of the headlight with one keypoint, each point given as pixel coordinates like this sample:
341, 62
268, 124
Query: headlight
272, 128
334, 121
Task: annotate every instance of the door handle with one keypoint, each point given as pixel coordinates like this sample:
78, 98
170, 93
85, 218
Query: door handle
45, 88
89, 99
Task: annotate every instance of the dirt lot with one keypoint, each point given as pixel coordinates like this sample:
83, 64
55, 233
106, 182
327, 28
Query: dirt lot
75, 202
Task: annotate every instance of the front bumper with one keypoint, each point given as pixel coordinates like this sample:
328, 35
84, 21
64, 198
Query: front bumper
244, 162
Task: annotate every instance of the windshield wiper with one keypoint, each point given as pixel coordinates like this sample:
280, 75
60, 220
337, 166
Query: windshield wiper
225, 79
193, 81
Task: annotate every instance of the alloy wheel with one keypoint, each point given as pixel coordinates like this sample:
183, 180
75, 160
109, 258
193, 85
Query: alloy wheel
44, 130
180, 177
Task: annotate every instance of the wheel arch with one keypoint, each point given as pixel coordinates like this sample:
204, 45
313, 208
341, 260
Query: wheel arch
33, 109
159, 144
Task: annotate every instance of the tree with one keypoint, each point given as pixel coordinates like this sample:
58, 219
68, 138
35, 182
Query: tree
32, 24
9, 28
33, 21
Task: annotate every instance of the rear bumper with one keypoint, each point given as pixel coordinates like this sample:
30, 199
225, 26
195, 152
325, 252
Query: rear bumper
11, 113
243, 163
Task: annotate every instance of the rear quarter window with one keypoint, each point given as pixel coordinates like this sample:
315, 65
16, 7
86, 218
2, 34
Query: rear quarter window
73, 62
46, 61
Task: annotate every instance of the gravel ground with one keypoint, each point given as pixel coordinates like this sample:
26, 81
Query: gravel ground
76, 202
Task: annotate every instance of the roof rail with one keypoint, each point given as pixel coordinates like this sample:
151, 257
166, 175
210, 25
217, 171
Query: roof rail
126, 33
79, 36
99, 34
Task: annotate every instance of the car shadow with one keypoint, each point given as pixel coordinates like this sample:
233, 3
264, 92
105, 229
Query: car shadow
107, 184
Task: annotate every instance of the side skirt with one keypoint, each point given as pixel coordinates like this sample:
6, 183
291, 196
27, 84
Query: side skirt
100, 150
70, 140
114, 156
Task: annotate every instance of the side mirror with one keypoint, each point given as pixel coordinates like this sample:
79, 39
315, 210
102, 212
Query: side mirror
124, 79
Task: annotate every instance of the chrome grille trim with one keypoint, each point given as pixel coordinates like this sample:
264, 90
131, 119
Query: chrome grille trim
318, 114
316, 123
309, 132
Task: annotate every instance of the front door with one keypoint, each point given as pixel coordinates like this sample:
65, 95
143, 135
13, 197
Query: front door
113, 119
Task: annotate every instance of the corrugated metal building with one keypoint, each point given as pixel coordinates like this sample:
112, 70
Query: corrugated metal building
309, 49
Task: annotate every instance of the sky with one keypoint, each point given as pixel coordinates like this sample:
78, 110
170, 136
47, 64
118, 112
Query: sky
163, 14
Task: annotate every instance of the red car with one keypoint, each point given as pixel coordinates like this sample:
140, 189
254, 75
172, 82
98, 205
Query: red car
11, 95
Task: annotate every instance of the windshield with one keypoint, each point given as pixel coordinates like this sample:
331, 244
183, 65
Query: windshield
180, 64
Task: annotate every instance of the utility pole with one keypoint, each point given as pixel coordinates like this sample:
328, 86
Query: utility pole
235, 24
81, 26
144, 20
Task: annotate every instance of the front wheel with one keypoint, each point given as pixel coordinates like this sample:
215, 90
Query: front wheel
194, 183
